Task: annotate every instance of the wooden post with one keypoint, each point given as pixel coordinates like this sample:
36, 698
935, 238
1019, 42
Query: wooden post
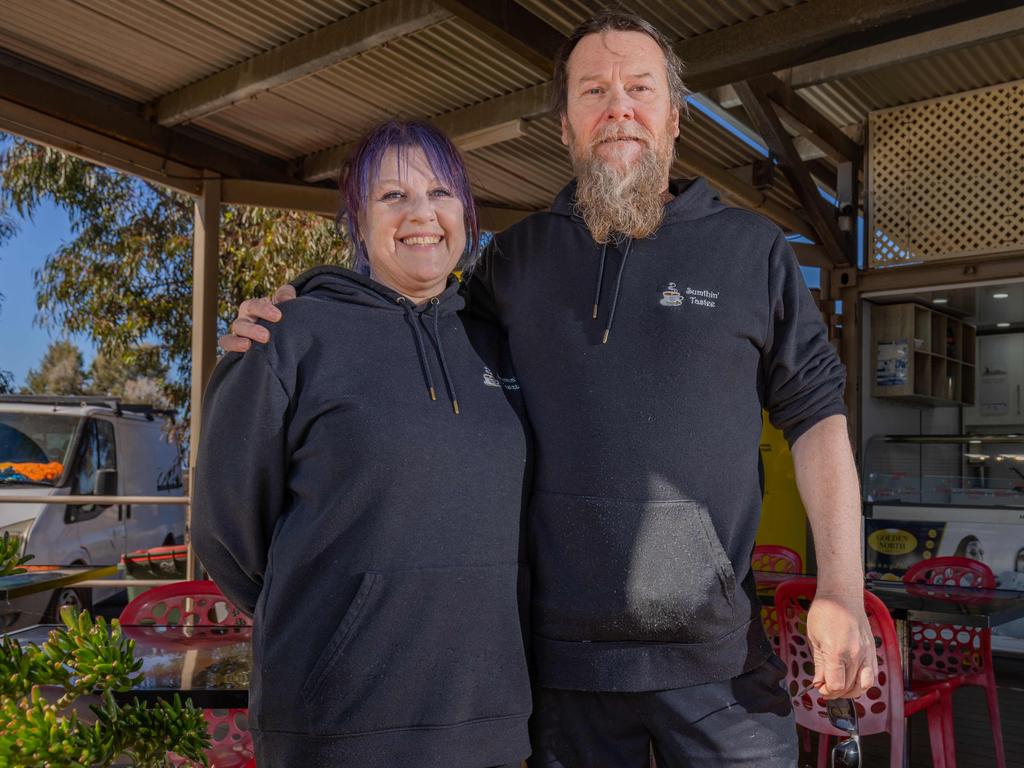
205, 252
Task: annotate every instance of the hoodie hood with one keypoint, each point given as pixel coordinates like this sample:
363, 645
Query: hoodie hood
340, 284
692, 199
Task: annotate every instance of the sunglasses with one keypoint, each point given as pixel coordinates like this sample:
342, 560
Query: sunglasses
842, 714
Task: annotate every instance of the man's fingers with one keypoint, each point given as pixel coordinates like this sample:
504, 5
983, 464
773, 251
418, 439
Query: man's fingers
836, 679
247, 330
283, 294
258, 309
867, 679
231, 343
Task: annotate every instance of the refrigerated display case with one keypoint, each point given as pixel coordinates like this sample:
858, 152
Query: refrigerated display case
937, 495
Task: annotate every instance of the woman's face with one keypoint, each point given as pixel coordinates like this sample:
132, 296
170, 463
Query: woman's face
414, 226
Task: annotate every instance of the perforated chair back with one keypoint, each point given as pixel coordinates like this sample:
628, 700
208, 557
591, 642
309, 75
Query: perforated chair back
943, 651
775, 558
184, 604
881, 708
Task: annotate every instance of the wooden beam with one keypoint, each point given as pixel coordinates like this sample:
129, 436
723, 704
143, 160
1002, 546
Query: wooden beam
811, 31
285, 197
320, 49
764, 117
833, 140
511, 27
97, 148
495, 219
529, 103
84, 108
985, 29
205, 257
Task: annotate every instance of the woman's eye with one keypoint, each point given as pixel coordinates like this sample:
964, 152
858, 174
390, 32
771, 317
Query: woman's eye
441, 192
391, 195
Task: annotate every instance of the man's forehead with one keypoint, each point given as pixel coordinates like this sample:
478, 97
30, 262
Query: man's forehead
637, 52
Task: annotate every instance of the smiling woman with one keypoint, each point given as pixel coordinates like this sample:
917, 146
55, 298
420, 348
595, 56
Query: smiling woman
408, 204
370, 527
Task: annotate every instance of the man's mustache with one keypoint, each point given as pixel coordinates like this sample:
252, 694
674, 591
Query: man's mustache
620, 132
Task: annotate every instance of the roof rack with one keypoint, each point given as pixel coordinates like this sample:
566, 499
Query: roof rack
113, 403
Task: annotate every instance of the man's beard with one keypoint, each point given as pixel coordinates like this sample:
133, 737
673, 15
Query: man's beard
617, 202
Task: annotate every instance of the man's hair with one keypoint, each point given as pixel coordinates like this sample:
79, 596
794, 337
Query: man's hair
617, 21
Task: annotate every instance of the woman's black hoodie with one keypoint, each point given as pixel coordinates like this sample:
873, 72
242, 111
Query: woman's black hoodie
372, 531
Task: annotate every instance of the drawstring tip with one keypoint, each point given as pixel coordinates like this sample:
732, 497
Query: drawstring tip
433, 394
595, 311
604, 340
455, 407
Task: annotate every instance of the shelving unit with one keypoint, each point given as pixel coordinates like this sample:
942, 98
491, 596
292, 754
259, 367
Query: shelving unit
921, 355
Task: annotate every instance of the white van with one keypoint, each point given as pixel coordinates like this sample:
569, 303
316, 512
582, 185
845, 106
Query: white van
81, 446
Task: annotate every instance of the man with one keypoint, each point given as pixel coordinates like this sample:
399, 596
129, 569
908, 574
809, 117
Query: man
650, 325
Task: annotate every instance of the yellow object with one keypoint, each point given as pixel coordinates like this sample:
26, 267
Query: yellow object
783, 520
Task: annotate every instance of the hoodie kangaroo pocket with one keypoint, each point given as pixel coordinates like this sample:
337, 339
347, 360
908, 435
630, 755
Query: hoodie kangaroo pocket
611, 570
421, 648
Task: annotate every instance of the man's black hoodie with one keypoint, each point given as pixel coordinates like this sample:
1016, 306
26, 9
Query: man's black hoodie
645, 367
371, 530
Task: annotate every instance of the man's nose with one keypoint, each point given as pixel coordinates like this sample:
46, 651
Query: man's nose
619, 107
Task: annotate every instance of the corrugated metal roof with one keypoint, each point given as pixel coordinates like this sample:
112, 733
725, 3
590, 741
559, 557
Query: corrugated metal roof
675, 19
155, 52
441, 68
848, 100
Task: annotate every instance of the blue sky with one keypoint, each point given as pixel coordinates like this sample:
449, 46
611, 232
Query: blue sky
23, 342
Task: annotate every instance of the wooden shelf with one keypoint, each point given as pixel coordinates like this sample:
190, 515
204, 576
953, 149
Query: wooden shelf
921, 355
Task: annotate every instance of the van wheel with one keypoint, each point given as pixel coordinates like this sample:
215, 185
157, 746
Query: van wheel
79, 599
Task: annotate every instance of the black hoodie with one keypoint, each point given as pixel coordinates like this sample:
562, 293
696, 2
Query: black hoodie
645, 368
371, 530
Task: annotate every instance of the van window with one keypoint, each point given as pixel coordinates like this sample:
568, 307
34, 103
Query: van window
34, 447
96, 451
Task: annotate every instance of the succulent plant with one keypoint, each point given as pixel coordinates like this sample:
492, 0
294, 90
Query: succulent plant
88, 657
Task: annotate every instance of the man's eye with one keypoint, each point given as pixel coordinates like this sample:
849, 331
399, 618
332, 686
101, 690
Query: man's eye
641, 88
592, 91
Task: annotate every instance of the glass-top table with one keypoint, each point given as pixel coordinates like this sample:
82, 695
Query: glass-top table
209, 665
43, 578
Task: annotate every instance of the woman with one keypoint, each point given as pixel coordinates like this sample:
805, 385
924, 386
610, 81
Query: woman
365, 508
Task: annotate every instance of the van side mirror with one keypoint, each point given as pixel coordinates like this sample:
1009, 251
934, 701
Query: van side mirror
105, 483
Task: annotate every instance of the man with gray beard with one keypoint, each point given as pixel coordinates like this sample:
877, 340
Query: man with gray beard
645, 629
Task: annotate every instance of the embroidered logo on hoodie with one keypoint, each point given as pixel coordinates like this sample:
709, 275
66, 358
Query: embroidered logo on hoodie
671, 297
505, 382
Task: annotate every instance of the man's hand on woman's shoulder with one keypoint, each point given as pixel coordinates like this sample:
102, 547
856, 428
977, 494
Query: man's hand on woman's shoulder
245, 330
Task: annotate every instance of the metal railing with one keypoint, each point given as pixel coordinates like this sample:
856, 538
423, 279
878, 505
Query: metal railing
185, 501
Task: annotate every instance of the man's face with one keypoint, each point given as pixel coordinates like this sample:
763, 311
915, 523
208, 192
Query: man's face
618, 102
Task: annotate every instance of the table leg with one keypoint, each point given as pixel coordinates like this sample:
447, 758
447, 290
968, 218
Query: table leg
903, 637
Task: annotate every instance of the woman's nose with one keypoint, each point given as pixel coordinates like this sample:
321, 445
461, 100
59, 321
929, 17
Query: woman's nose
423, 209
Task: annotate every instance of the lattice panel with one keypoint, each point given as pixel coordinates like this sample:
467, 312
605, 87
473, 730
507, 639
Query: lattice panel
946, 177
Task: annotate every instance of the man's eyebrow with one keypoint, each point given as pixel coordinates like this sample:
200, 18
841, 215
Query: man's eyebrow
638, 76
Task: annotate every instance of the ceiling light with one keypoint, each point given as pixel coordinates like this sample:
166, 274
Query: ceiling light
940, 301
1002, 325
1000, 295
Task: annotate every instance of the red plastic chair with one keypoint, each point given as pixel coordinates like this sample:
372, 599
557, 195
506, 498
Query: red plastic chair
772, 558
950, 655
883, 708
199, 604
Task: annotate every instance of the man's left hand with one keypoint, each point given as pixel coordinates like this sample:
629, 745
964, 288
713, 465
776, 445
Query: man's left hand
845, 661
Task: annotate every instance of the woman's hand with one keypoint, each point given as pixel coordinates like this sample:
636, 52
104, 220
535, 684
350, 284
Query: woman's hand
245, 330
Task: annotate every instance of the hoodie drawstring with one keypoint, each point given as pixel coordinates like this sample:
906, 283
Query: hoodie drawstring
440, 355
421, 348
600, 279
410, 315
618, 286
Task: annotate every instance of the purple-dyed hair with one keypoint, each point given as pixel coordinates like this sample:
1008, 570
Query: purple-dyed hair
360, 172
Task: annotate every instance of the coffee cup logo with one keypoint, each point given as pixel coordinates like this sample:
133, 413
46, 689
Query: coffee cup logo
671, 297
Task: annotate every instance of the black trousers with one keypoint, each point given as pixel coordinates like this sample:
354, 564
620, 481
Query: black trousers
747, 721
